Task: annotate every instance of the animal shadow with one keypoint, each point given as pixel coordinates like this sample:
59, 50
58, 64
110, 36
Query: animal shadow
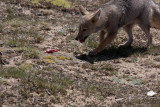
112, 53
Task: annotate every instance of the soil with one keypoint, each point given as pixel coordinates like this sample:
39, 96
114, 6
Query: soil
116, 77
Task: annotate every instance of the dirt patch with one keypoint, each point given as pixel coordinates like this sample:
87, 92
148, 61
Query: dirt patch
29, 76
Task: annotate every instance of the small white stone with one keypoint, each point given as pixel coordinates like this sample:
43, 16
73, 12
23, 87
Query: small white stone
151, 93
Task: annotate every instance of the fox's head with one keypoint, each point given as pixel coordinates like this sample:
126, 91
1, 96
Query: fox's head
88, 24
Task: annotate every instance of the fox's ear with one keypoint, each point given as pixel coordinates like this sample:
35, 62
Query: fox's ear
95, 18
83, 11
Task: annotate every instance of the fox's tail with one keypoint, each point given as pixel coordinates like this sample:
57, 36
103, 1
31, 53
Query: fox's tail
155, 16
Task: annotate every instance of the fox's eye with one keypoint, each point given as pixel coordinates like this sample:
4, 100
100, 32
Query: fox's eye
84, 30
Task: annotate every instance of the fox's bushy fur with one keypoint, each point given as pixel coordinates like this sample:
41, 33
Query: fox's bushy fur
116, 14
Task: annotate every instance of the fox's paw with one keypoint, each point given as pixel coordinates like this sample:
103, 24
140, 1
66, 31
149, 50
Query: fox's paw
92, 53
150, 45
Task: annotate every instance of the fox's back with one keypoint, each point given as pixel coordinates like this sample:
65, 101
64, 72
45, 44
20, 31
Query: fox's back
129, 3
129, 10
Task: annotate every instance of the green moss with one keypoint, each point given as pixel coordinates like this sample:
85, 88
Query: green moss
64, 3
63, 58
49, 59
36, 1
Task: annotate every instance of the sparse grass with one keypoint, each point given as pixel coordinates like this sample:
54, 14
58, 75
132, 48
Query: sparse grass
154, 50
100, 98
91, 42
20, 31
37, 81
97, 90
28, 52
40, 82
22, 37
26, 66
146, 102
13, 43
150, 63
9, 10
12, 72
147, 62
31, 53
62, 32
108, 67
131, 59
38, 38
56, 84
90, 89
109, 70
93, 67
18, 22
69, 38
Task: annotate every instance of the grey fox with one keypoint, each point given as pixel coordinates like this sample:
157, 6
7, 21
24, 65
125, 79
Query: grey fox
116, 14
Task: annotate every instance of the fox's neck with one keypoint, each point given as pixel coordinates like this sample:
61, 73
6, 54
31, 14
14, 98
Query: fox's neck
101, 24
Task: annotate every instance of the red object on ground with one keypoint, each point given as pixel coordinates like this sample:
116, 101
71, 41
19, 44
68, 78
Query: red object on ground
51, 50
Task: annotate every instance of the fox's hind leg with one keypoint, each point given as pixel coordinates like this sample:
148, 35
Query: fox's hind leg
128, 30
146, 29
144, 23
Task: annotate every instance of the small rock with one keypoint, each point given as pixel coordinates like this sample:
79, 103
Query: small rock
28, 61
134, 73
157, 58
152, 76
127, 72
151, 93
85, 65
1, 43
27, 12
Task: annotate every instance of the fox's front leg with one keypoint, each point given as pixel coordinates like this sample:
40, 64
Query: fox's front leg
105, 42
101, 36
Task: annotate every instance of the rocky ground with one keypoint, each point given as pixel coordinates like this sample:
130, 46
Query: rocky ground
116, 77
